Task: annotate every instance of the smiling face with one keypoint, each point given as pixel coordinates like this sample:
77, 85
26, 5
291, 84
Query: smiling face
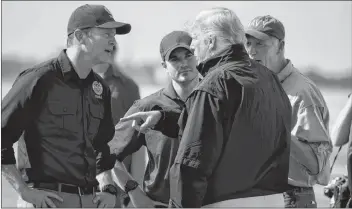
181, 65
100, 44
263, 51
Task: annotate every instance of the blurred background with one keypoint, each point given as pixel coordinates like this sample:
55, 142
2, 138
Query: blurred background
318, 42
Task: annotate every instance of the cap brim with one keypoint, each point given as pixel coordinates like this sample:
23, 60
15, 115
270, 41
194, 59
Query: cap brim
257, 34
121, 28
168, 53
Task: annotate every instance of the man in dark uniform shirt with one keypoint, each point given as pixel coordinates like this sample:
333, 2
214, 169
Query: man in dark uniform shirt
180, 64
64, 110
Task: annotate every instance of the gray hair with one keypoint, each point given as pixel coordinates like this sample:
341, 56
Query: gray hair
221, 22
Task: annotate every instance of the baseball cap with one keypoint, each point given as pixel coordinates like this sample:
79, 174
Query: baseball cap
174, 40
88, 16
262, 27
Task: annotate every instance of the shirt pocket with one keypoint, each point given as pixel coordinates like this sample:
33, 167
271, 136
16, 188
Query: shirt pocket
63, 115
155, 142
97, 113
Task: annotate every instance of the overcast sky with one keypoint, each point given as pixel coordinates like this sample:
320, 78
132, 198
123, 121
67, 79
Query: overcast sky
317, 33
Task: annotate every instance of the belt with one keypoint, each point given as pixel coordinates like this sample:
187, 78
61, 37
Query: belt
160, 206
300, 189
60, 187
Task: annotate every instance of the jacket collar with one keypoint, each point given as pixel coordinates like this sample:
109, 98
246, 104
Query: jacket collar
286, 72
234, 52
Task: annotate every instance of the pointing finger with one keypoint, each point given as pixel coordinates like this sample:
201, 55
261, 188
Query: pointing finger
134, 116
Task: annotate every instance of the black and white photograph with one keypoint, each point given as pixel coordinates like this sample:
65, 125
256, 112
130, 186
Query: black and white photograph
176, 104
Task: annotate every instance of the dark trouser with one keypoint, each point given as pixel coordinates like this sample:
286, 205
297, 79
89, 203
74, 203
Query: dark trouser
300, 197
73, 196
70, 201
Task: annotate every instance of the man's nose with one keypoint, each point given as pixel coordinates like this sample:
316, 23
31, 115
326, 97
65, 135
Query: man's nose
113, 41
184, 63
251, 51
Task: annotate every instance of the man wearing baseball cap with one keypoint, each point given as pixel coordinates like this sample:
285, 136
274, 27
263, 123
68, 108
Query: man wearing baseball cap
180, 64
64, 110
310, 142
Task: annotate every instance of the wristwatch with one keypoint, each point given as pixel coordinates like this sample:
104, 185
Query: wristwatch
130, 186
110, 189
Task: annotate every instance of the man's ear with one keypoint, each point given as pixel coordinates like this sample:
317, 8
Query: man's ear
212, 40
163, 63
78, 34
281, 45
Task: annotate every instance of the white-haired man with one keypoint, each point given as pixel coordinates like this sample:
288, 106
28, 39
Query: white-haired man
235, 127
310, 142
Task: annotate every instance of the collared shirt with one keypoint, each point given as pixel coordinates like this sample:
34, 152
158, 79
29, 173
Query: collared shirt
161, 148
234, 134
310, 141
66, 123
124, 91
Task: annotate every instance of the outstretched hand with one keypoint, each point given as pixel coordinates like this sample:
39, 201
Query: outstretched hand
142, 121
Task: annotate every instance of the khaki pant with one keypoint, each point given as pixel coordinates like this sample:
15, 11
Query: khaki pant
70, 201
275, 200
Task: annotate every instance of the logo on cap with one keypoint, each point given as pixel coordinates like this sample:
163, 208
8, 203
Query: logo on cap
256, 22
98, 89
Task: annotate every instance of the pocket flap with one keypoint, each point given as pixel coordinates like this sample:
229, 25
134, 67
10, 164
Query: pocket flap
59, 108
97, 111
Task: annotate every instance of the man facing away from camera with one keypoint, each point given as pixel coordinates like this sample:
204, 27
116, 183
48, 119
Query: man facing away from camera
310, 142
235, 127
64, 110
180, 64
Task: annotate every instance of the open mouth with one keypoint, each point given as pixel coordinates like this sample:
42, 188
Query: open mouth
108, 51
185, 71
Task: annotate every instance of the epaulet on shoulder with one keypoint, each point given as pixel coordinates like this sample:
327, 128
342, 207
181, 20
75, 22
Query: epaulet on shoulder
37, 70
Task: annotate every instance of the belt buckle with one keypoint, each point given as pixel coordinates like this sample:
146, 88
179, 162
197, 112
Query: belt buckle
83, 191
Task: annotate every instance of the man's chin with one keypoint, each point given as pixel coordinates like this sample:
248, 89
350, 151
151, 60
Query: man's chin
104, 61
185, 80
101, 67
